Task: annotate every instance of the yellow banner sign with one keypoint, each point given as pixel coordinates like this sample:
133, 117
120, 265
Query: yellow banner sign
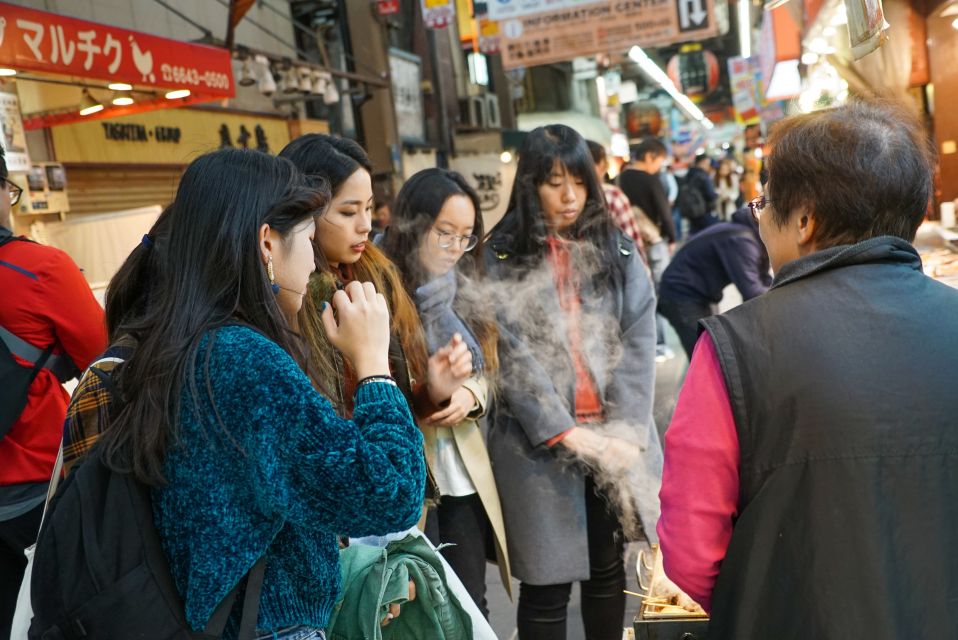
173, 136
604, 27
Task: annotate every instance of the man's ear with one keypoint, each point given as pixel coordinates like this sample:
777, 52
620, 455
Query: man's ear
806, 229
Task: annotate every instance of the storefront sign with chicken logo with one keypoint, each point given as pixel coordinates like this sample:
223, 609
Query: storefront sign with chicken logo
46, 43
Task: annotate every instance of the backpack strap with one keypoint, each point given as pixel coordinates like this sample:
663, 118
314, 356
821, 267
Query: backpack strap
254, 588
59, 365
253, 579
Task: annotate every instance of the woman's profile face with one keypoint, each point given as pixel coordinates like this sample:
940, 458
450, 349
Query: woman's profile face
562, 198
293, 262
453, 228
342, 232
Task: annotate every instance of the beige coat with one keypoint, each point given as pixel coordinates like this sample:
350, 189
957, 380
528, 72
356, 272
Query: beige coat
475, 458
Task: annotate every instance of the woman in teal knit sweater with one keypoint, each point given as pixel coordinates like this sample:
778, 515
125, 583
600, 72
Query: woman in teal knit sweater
245, 457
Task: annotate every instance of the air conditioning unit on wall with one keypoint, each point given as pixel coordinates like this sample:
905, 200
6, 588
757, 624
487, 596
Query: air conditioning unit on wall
480, 112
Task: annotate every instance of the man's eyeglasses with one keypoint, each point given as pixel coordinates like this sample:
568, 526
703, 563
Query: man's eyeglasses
448, 240
14, 192
757, 206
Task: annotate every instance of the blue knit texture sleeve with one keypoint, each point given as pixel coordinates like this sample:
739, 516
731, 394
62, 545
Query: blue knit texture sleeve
262, 464
355, 478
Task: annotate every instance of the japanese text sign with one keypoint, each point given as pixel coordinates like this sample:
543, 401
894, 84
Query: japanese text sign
438, 14
603, 27
48, 43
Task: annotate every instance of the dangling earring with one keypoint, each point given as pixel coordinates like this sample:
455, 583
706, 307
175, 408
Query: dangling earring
271, 275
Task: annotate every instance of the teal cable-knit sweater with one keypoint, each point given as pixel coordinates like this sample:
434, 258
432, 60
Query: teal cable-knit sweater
278, 473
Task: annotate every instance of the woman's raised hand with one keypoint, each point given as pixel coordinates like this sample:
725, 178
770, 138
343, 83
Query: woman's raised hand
448, 369
360, 328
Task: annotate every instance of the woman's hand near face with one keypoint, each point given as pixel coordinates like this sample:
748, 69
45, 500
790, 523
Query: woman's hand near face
360, 328
448, 369
461, 405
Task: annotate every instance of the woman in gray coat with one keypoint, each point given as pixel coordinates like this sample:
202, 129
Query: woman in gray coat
572, 422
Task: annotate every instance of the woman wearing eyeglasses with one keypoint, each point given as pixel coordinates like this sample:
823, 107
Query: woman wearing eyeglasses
436, 241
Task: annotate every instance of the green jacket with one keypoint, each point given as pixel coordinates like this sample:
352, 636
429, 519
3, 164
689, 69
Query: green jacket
375, 577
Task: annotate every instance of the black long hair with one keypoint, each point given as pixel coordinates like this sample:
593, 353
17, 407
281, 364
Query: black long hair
212, 275
523, 224
414, 212
129, 292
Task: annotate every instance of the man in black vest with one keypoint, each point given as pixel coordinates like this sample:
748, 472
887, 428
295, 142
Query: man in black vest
811, 477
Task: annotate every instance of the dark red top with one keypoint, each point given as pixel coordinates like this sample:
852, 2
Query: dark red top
588, 404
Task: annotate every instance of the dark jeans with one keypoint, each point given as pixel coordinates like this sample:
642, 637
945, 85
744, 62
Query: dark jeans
543, 608
684, 316
15, 536
462, 522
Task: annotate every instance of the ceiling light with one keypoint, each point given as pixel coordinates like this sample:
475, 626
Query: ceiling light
745, 28
506, 157
955, 23
950, 10
306, 80
320, 82
177, 94
655, 73
267, 83
122, 99
8, 72
88, 104
809, 58
246, 74
120, 86
290, 81
331, 95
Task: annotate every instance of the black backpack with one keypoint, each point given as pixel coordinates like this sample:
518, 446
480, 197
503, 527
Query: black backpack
15, 379
100, 571
690, 202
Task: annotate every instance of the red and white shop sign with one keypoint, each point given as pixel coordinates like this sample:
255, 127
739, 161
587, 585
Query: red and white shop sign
47, 43
387, 7
438, 14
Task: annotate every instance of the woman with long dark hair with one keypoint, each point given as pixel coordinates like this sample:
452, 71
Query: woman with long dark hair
436, 241
576, 309
221, 419
344, 254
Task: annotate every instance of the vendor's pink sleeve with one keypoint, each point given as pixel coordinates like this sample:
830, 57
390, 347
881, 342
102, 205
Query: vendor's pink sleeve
700, 482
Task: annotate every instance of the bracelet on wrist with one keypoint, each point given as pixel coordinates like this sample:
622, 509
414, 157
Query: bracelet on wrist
385, 379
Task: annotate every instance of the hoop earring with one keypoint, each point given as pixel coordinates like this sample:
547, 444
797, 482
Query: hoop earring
271, 275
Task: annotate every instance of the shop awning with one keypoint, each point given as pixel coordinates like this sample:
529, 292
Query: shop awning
163, 73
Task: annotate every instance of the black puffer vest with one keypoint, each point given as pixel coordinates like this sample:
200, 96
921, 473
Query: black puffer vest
843, 381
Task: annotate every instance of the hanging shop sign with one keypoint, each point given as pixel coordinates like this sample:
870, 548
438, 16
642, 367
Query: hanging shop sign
41, 42
405, 72
505, 9
13, 138
438, 14
387, 7
604, 27
159, 137
742, 81
488, 36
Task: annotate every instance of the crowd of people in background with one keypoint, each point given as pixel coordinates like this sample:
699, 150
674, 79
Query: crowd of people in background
289, 371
